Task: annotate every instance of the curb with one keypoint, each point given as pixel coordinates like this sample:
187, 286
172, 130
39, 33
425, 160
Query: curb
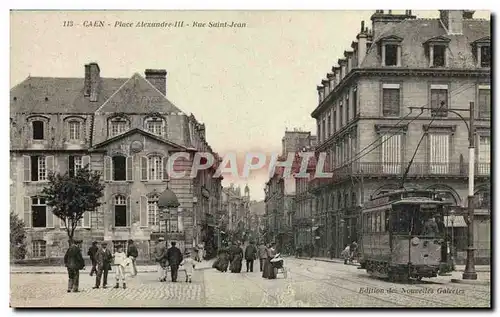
470, 282
62, 272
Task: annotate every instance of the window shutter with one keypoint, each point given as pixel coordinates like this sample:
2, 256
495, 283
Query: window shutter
27, 168
143, 211
107, 168
144, 168
129, 211
130, 168
49, 161
50, 217
86, 219
113, 211
85, 161
165, 168
27, 212
434, 99
180, 225
164, 129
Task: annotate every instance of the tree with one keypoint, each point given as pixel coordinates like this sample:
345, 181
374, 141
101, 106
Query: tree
71, 196
17, 237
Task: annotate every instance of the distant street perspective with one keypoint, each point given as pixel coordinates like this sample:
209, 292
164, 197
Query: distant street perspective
309, 283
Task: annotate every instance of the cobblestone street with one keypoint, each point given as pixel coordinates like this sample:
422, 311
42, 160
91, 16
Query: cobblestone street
308, 284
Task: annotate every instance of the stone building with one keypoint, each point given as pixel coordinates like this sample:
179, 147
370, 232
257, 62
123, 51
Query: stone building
235, 212
125, 128
364, 105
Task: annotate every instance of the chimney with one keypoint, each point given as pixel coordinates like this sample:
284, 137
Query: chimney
452, 21
202, 130
379, 19
331, 81
326, 84
348, 55
336, 71
362, 40
157, 78
342, 63
92, 81
320, 93
86, 90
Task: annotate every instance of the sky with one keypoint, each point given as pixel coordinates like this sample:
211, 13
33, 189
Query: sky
246, 84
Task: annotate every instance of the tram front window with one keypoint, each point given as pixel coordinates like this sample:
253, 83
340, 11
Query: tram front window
418, 220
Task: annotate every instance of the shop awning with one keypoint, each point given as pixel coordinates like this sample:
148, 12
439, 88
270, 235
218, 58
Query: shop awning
458, 221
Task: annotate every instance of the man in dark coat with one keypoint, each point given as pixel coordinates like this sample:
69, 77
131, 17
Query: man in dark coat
92, 254
262, 255
174, 258
73, 261
132, 253
103, 258
250, 255
237, 258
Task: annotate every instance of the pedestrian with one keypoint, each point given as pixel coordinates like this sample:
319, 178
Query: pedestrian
174, 258
73, 261
201, 250
237, 255
132, 254
250, 255
352, 249
346, 253
262, 255
188, 264
269, 271
103, 258
161, 259
120, 262
92, 254
222, 261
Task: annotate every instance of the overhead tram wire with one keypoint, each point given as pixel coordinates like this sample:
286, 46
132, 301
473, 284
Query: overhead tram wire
418, 145
456, 91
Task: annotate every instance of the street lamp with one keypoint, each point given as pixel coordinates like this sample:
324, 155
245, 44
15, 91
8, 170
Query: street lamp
452, 219
342, 222
312, 237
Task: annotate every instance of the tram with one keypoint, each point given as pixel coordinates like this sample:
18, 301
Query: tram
403, 235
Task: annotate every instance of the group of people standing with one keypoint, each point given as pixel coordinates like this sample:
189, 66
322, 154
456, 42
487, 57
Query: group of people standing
232, 257
172, 258
102, 259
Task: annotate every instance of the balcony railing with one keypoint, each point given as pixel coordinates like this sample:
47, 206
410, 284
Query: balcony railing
380, 169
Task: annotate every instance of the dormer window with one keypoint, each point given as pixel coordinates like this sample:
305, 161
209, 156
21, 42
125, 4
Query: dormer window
38, 130
155, 125
74, 130
435, 49
485, 56
482, 51
390, 50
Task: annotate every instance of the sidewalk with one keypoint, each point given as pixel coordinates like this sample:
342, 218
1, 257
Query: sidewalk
458, 268
18, 269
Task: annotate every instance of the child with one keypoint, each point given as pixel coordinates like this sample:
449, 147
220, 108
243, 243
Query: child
188, 265
121, 261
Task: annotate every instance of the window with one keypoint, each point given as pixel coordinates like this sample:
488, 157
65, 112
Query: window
355, 102
341, 112
391, 55
485, 56
118, 126
439, 56
84, 222
439, 100
74, 130
119, 168
38, 130
39, 248
391, 153
323, 127
391, 100
484, 151
334, 120
119, 243
173, 221
120, 211
38, 168
347, 108
75, 163
439, 148
38, 212
382, 221
155, 168
155, 126
484, 103
153, 211
329, 125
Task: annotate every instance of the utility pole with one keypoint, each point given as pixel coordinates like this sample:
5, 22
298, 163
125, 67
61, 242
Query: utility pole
470, 271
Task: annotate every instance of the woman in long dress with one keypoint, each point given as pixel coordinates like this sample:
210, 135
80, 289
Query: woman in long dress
236, 262
269, 271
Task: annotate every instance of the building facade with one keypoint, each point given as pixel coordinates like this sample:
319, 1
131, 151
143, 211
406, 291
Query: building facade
124, 128
235, 216
370, 133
